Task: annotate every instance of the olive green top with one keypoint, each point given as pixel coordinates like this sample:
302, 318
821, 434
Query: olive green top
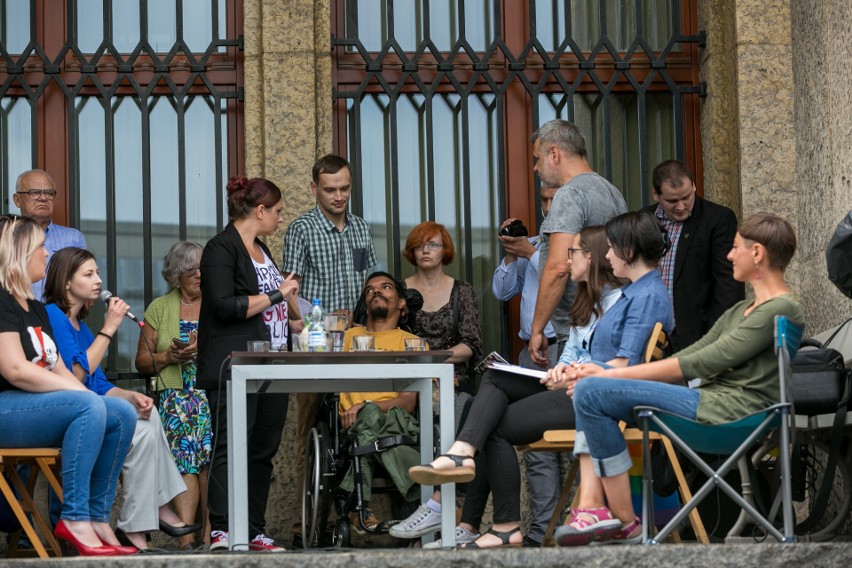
736, 360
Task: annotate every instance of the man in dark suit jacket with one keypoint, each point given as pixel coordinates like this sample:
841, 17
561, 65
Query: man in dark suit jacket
696, 270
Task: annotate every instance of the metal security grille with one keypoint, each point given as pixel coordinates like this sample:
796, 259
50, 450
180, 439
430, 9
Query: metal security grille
134, 108
435, 102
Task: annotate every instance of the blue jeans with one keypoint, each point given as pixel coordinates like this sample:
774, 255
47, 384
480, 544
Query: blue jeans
94, 433
599, 404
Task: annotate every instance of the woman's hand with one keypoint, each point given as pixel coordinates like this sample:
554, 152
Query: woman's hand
289, 286
114, 315
557, 377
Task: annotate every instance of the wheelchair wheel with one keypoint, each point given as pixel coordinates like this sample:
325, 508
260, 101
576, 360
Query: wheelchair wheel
342, 535
814, 454
315, 488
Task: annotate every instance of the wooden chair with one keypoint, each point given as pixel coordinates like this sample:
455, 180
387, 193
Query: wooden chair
563, 440
40, 460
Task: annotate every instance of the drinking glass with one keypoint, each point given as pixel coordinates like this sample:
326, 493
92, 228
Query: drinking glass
363, 343
415, 344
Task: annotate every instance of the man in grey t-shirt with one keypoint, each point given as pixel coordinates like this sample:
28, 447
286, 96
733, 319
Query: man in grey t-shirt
584, 199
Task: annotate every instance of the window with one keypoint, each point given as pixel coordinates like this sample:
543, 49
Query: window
435, 101
135, 109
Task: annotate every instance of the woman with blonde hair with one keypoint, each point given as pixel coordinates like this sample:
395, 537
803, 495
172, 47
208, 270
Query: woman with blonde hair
43, 404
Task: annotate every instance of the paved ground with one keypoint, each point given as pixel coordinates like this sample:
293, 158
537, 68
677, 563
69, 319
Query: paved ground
637, 556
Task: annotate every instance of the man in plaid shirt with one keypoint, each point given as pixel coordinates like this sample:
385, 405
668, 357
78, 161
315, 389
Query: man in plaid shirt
695, 270
329, 249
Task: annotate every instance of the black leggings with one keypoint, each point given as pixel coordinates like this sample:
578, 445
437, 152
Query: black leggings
512, 410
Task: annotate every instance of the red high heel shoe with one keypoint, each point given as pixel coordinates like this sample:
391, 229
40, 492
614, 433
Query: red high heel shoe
61, 531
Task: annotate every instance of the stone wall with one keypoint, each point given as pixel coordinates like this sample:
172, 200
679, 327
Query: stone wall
821, 39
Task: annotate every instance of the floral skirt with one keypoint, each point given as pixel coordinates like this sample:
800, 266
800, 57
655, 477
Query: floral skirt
186, 419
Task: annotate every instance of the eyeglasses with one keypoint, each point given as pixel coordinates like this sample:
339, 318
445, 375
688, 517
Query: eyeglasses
571, 251
36, 194
191, 269
432, 245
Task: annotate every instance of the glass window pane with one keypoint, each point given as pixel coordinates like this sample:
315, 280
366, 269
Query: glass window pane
161, 25
165, 203
197, 28
129, 241
370, 21
200, 148
375, 173
625, 21
15, 25
626, 144
15, 144
125, 26
90, 25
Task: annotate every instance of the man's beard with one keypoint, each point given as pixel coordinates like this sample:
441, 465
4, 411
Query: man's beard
378, 312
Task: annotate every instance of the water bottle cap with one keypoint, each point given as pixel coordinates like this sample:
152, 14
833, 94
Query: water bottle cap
315, 301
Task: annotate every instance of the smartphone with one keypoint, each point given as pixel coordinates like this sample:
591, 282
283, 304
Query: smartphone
179, 343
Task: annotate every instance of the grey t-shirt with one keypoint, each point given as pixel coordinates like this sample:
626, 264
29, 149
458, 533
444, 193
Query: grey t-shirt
586, 200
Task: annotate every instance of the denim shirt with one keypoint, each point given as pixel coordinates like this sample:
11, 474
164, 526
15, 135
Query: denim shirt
624, 329
577, 348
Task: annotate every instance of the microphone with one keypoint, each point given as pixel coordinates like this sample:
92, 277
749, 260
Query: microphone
105, 297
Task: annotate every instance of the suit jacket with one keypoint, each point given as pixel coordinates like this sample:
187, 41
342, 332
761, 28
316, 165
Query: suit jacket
228, 278
704, 285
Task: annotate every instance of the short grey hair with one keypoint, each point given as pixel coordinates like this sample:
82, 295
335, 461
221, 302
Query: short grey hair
562, 134
181, 258
20, 181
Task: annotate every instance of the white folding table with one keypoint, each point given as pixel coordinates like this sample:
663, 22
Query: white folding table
374, 371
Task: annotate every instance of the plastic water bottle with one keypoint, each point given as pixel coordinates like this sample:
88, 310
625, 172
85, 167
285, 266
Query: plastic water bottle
316, 328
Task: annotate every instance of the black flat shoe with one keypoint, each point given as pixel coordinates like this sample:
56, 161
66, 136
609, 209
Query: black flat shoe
177, 531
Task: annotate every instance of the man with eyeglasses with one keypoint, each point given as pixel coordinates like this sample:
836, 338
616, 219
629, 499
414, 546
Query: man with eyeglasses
35, 195
696, 271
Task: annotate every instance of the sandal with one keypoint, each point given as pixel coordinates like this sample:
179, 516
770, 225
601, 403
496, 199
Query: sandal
504, 537
586, 526
427, 474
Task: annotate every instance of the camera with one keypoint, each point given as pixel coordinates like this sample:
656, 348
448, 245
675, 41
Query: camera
514, 229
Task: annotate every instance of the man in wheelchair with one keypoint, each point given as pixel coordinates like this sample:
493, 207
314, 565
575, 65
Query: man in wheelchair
382, 424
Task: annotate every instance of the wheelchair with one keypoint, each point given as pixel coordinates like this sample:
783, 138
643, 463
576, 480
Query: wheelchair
328, 454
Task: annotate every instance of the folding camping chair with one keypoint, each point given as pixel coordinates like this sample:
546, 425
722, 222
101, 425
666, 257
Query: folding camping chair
733, 439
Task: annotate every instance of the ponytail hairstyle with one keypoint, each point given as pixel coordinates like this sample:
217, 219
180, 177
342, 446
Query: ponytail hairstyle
588, 296
245, 194
20, 238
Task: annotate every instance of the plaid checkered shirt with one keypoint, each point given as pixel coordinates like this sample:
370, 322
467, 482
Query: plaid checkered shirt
332, 264
667, 263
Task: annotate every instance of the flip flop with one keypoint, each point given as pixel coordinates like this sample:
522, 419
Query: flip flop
428, 475
504, 537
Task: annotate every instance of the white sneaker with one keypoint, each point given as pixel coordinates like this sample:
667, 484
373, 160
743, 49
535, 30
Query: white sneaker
463, 536
219, 541
422, 521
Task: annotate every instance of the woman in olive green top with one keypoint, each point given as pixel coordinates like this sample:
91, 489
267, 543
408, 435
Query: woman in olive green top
735, 362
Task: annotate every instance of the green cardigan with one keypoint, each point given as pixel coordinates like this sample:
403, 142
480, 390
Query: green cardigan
163, 315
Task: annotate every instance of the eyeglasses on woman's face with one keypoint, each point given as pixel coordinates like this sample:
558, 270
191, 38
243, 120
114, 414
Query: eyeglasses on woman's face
431, 245
571, 251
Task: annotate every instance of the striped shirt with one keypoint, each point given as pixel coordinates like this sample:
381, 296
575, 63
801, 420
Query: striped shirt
667, 263
332, 264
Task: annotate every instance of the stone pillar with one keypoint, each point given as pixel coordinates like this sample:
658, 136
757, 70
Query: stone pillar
287, 126
823, 137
